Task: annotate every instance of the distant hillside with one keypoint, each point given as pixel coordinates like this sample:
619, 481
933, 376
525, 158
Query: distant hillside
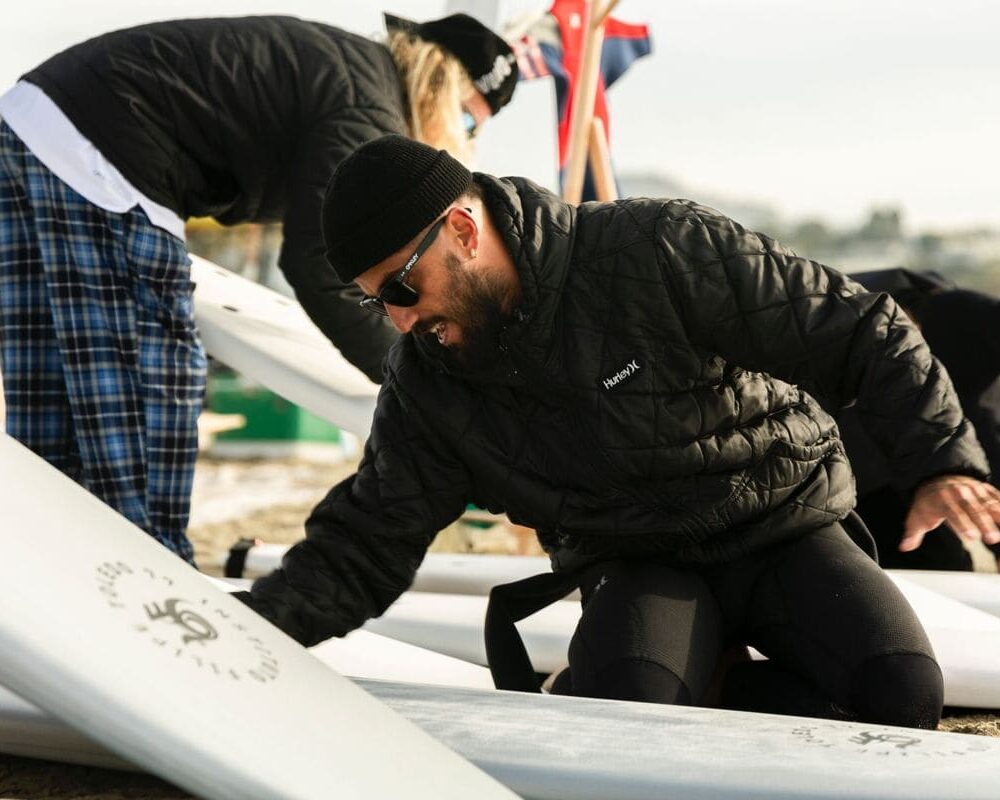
881, 239
754, 215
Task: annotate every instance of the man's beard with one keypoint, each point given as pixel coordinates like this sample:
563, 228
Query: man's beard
480, 306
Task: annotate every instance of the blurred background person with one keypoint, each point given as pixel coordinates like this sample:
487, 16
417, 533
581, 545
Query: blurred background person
962, 328
109, 146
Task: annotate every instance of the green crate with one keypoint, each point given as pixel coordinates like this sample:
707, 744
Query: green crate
269, 417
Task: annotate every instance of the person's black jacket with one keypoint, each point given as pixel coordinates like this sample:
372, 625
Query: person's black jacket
242, 119
962, 328
661, 399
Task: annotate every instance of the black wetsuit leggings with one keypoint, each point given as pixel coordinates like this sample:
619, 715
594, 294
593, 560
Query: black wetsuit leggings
841, 640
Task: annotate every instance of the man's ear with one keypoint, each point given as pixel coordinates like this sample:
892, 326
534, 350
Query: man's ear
465, 227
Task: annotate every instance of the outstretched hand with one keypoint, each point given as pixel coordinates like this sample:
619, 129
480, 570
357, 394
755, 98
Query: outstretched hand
969, 506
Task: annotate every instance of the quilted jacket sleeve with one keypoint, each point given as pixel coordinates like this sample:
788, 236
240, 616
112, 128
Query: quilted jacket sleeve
367, 537
364, 338
746, 298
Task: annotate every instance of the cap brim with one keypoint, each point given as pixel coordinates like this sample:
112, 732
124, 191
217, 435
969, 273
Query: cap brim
394, 24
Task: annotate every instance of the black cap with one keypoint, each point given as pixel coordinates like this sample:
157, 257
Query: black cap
381, 196
487, 58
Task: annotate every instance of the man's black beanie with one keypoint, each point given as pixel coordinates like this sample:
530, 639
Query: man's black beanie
382, 196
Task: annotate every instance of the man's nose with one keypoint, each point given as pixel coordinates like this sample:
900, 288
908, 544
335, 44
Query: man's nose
402, 317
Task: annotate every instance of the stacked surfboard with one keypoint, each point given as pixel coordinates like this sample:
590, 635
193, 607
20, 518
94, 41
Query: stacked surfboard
120, 654
116, 653
445, 608
269, 338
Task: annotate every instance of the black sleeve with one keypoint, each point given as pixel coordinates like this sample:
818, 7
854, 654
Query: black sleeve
365, 540
963, 329
756, 304
364, 338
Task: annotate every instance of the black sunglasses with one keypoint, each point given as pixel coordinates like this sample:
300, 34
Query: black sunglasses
395, 292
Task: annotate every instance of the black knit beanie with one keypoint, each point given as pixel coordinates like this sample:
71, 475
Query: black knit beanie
382, 196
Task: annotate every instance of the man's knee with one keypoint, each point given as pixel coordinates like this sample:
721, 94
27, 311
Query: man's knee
640, 680
904, 689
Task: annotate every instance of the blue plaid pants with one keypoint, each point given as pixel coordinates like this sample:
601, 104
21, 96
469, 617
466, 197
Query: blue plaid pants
103, 371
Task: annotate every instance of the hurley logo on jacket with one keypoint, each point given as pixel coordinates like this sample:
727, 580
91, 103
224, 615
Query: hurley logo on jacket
623, 375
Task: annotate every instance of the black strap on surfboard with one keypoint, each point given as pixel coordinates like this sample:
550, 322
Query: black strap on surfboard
237, 558
509, 603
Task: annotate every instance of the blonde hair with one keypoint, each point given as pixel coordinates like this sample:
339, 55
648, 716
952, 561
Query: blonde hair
434, 83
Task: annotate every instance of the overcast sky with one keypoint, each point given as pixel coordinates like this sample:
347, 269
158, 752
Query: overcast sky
821, 109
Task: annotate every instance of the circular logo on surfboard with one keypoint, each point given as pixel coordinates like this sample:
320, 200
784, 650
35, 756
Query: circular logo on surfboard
187, 627
884, 742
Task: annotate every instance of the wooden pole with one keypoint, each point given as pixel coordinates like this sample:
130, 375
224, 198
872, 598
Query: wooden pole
583, 107
600, 162
600, 18
584, 95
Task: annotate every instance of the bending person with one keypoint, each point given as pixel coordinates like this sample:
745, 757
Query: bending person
962, 329
643, 382
105, 150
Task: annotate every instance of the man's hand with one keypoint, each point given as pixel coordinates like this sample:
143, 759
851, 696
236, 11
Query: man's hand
970, 507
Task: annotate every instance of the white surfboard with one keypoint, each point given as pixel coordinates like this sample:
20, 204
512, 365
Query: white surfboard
459, 573
966, 641
452, 624
977, 589
561, 748
107, 630
363, 654
268, 337
444, 573
25, 730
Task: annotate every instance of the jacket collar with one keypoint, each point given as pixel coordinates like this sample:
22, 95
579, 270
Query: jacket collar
538, 229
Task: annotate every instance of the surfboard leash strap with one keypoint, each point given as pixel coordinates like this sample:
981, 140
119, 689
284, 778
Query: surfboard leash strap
509, 603
237, 559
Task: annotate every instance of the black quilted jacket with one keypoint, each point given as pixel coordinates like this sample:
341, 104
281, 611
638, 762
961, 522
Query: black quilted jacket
661, 397
242, 119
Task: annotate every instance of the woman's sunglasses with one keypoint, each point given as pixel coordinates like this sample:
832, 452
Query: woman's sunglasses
469, 124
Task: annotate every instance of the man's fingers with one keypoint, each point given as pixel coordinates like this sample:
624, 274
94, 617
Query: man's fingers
991, 507
912, 540
987, 514
970, 507
989, 519
962, 512
978, 503
963, 525
916, 527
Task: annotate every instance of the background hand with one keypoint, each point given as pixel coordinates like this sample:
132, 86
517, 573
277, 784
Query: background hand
969, 506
